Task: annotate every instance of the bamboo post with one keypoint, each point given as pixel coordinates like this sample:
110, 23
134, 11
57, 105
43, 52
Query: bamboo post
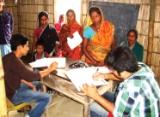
3, 105
151, 31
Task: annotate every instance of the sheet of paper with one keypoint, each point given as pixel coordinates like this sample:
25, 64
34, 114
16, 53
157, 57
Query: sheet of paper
82, 76
46, 62
75, 41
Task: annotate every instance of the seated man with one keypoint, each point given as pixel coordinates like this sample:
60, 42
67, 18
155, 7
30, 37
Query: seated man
15, 71
138, 93
136, 47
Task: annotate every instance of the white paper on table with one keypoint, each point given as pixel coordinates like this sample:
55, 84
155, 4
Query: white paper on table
82, 76
46, 62
75, 41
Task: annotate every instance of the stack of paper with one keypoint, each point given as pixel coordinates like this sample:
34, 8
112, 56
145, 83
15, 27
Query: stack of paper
75, 41
82, 76
46, 62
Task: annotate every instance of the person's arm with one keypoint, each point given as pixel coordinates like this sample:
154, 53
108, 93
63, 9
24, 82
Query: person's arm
92, 92
84, 48
29, 84
26, 74
106, 76
48, 70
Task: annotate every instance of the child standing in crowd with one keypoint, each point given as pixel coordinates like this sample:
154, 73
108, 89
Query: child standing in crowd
40, 53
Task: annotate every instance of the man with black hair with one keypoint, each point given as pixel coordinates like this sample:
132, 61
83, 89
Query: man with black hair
137, 95
15, 71
134, 45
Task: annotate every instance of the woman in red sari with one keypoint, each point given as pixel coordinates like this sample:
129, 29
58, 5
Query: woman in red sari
67, 31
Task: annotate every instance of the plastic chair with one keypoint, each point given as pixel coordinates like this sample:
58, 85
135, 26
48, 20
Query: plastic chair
23, 107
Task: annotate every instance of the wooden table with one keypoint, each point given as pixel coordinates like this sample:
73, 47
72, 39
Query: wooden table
63, 85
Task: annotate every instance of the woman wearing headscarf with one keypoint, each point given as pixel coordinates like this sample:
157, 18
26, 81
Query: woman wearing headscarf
98, 38
67, 30
46, 33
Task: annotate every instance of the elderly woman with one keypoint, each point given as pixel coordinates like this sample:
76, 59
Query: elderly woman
67, 31
98, 38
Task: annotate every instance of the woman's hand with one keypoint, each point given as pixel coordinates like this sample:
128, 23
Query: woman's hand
90, 91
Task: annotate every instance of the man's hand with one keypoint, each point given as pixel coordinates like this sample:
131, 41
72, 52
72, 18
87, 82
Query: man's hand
33, 88
90, 91
53, 66
30, 84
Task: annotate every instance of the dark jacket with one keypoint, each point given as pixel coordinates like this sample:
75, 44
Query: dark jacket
6, 27
49, 38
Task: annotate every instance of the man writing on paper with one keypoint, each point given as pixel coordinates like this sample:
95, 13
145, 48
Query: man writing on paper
15, 72
136, 96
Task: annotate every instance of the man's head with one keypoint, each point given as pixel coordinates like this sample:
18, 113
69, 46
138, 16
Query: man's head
121, 60
39, 47
132, 36
1, 5
19, 44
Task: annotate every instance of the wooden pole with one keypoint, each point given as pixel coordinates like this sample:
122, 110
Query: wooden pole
151, 31
3, 105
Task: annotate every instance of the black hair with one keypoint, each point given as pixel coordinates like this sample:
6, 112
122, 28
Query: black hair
41, 14
95, 9
39, 43
121, 59
71, 10
134, 31
16, 40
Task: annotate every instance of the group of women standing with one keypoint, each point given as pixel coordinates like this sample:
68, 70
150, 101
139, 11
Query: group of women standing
97, 37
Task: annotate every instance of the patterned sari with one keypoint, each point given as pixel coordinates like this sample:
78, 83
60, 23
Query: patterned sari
99, 43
